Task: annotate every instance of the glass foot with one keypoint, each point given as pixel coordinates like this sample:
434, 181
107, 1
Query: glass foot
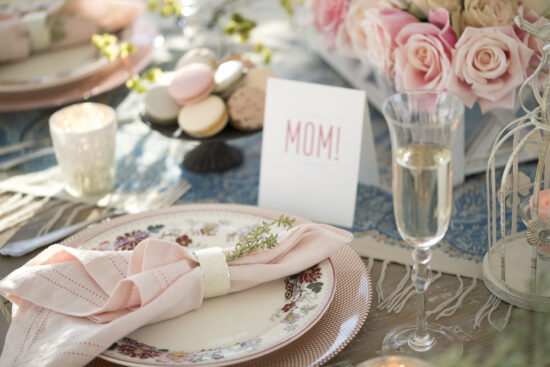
441, 341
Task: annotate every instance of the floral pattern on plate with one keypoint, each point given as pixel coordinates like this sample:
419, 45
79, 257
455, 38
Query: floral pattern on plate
301, 293
296, 302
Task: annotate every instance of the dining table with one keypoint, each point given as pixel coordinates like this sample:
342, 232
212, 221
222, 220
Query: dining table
147, 159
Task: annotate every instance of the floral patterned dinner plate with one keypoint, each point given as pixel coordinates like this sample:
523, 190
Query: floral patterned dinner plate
225, 330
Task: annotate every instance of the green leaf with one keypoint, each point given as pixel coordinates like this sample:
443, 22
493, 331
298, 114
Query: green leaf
155, 228
315, 287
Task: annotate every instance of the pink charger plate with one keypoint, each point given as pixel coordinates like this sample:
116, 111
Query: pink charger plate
144, 35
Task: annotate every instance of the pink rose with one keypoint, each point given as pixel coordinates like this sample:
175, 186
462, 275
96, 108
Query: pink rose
354, 32
328, 15
424, 55
488, 66
343, 43
380, 28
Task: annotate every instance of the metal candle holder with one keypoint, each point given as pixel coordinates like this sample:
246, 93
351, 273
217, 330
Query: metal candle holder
517, 264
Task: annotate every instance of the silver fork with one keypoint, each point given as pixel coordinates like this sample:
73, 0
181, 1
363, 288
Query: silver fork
137, 204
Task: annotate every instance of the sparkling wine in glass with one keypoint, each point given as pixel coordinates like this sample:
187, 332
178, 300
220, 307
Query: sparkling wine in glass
422, 126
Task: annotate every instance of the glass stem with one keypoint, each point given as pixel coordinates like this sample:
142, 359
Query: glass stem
421, 339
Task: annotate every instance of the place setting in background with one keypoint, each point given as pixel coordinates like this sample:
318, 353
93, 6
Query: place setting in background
45, 64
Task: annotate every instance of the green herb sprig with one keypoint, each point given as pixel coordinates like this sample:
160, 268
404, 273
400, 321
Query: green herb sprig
260, 238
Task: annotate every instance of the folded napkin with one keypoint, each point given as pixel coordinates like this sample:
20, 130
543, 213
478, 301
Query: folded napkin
61, 24
73, 304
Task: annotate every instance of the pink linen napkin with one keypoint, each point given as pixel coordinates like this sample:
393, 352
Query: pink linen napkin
73, 304
73, 23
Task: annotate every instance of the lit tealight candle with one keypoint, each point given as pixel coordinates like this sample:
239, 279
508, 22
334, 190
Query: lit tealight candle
395, 361
83, 137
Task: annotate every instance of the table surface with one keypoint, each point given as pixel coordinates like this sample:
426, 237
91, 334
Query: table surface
367, 343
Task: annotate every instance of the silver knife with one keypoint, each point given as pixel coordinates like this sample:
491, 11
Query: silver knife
19, 248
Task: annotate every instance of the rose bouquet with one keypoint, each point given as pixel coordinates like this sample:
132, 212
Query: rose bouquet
470, 48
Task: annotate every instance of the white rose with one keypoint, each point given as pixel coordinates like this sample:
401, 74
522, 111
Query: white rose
489, 13
425, 6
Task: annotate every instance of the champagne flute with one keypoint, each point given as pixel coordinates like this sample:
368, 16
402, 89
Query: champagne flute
422, 126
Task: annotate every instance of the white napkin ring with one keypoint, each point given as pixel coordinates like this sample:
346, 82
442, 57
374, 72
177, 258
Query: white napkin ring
215, 271
38, 31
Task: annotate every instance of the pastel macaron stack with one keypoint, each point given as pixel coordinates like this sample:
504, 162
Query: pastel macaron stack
204, 95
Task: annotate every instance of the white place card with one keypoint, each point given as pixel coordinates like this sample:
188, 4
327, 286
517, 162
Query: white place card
311, 149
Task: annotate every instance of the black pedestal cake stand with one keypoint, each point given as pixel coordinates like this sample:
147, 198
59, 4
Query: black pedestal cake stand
213, 154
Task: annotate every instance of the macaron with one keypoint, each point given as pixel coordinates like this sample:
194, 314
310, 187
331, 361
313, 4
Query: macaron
198, 55
237, 56
246, 108
258, 78
205, 118
160, 107
228, 75
192, 83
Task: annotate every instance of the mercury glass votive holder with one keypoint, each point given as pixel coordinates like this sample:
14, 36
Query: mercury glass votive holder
83, 137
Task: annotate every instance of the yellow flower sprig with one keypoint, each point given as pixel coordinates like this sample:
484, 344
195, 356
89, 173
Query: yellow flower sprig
240, 27
289, 5
109, 46
136, 82
264, 52
165, 7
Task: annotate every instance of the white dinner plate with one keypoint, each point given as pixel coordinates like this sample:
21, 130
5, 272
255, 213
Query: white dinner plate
51, 68
225, 330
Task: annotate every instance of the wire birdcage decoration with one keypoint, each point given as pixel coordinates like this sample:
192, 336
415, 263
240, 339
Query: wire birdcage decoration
516, 267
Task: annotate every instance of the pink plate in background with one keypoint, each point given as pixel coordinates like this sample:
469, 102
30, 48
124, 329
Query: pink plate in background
143, 35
